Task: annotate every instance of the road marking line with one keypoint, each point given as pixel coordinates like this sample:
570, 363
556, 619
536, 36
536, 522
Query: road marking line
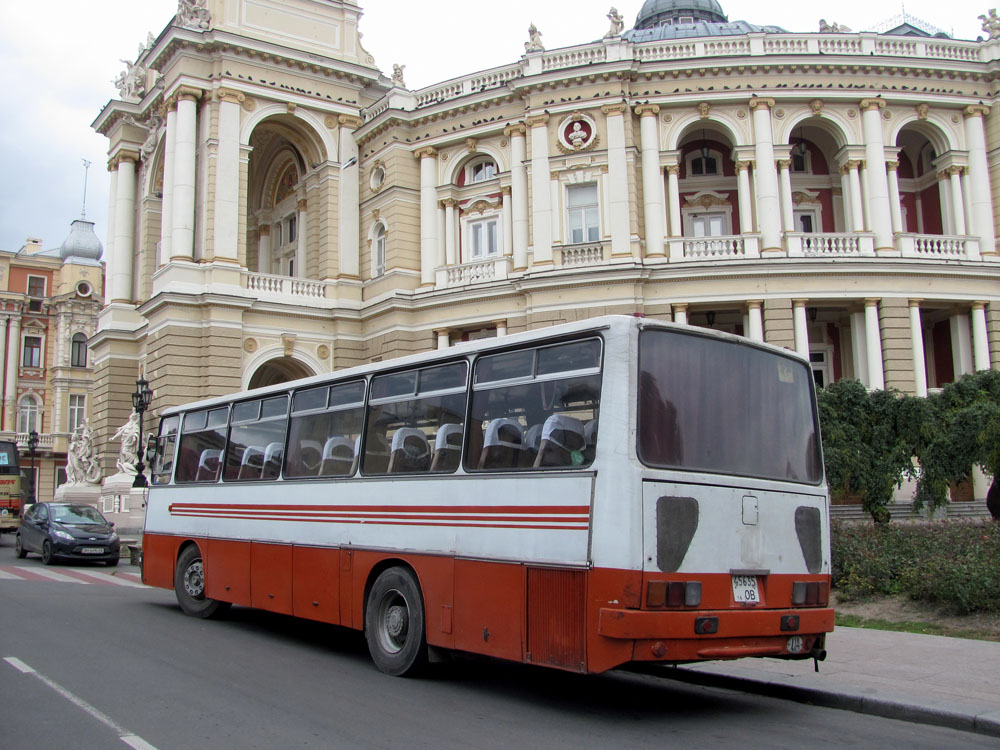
56, 576
129, 738
5, 576
104, 578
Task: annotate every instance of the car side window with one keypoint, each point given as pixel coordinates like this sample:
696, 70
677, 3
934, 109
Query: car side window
31, 513
43, 513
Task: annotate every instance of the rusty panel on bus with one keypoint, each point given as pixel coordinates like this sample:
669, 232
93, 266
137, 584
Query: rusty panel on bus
316, 583
489, 605
556, 618
271, 577
227, 570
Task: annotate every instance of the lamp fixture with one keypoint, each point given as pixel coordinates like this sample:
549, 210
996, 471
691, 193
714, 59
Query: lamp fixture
710, 317
704, 145
802, 143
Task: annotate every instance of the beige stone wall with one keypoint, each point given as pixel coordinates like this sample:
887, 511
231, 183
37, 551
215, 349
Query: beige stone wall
778, 326
111, 404
897, 349
993, 333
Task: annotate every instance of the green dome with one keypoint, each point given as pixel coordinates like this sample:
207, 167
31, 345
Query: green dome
657, 12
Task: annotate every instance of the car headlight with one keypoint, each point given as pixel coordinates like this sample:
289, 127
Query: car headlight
114, 536
63, 534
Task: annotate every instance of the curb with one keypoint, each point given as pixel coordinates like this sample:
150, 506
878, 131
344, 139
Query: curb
987, 723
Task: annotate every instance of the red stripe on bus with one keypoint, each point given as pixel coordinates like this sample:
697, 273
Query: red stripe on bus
304, 516
389, 508
384, 521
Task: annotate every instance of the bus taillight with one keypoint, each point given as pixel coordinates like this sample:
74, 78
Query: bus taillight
673, 594
810, 594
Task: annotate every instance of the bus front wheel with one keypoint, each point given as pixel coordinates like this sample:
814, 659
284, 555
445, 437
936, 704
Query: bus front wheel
189, 586
394, 623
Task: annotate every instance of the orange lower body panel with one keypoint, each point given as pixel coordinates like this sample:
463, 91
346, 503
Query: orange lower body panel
569, 618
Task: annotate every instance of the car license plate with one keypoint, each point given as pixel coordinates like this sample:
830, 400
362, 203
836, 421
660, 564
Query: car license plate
92, 550
745, 590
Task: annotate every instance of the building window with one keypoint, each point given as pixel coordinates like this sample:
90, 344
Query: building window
483, 239
807, 220
27, 415
293, 229
32, 351
77, 410
480, 171
78, 351
708, 225
584, 222
704, 165
36, 286
378, 251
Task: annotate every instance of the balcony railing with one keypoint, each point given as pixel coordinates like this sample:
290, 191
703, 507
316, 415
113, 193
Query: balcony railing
826, 245
264, 285
726, 247
491, 269
938, 246
581, 255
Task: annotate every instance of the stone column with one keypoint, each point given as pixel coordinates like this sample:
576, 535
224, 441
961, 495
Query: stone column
119, 270
541, 195
957, 205
227, 177
980, 342
10, 386
768, 206
857, 210
264, 248
680, 314
501, 325
443, 337
674, 199
300, 239
895, 207
167, 205
349, 202
428, 213
961, 344
845, 199
859, 349
450, 246
970, 219
746, 207
185, 149
755, 322
873, 339
519, 194
507, 220
800, 326
652, 179
787, 214
619, 207
979, 178
917, 344
878, 186
947, 203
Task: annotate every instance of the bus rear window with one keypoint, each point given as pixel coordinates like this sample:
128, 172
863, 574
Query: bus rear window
722, 407
8, 458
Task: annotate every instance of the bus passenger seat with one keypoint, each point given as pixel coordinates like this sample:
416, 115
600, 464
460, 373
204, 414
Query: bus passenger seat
208, 465
338, 457
562, 442
447, 448
272, 460
529, 445
501, 445
410, 451
310, 457
252, 463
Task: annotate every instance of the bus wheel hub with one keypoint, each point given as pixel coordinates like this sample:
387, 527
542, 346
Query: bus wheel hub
396, 621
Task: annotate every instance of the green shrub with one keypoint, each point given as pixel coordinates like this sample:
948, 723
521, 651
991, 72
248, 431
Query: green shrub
953, 564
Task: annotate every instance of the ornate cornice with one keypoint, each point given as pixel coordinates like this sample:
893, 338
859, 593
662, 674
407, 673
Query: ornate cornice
869, 104
614, 109
350, 121
120, 156
976, 110
533, 121
647, 110
516, 128
428, 151
761, 101
230, 95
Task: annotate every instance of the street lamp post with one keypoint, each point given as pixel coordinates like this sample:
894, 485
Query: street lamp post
140, 402
32, 447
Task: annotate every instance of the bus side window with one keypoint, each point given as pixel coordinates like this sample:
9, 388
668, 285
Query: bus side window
166, 446
325, 430
256, 439
203, 438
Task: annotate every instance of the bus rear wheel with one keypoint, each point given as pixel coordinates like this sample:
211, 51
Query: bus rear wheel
189, 586
394, 623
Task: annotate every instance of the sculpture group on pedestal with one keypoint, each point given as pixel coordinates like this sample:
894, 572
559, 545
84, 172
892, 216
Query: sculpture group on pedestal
129, 453
82, 466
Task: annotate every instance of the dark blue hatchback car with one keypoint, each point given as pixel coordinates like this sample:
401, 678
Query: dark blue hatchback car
67, 531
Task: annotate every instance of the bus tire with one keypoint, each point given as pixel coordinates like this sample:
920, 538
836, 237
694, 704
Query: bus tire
19, 549
394, 623
47, 558
189, 586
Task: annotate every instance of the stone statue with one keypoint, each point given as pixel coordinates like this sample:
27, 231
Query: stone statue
397, 75
129, 454
81, 463
991, 24
534, 43
577, 136
832, 28
617, 24
153, 129
131, 82
193, 14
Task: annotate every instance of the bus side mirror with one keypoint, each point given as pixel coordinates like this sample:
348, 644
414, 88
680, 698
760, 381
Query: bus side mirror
150, 447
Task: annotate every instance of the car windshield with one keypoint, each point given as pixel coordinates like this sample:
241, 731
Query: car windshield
76, 514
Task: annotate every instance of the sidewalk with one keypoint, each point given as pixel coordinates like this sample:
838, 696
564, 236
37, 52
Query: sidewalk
951, 682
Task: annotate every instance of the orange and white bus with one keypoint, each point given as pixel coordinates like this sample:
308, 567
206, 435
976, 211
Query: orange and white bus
585, 496
11, 501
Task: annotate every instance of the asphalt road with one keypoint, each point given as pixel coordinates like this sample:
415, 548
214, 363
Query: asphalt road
106, 665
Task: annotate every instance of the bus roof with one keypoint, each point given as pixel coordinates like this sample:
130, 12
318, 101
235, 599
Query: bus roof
467, 348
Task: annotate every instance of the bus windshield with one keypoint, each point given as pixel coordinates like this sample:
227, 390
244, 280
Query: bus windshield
712, 405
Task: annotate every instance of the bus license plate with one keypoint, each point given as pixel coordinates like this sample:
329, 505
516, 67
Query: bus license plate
92, 550
745, 590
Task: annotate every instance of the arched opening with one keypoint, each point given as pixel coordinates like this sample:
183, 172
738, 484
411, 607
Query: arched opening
278, 370
924, 198
709, 195
817, 200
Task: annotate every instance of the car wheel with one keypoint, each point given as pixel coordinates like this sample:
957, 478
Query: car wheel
47, 558
19, 549
394, 623
189, 586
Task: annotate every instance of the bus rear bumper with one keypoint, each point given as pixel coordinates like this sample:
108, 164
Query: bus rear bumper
718, 634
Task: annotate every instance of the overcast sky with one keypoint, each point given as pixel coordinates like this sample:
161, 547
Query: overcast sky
60, 57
